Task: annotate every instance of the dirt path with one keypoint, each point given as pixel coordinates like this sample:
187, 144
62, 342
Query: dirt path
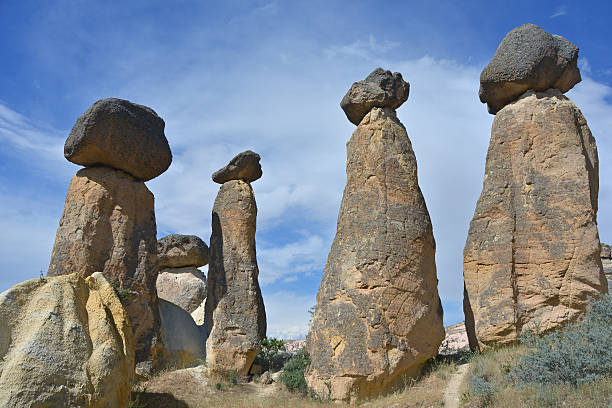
451, 395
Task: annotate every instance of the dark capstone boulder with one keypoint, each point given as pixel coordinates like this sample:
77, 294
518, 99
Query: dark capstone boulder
528, 58
381, 89
120, 134
177, 251
245, 166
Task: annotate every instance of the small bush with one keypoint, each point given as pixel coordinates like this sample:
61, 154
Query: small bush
293, 372
577, 354
219, 386
232, 378
272, 355
482, 383
122, 294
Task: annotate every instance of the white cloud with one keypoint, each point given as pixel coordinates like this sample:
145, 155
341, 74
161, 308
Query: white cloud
291, 260
559, 11
287, 314
23, 135
366, 49
281, 100
584, 65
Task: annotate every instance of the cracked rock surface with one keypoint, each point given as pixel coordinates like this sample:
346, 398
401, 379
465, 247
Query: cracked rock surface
378, 316
235, 317
532, 255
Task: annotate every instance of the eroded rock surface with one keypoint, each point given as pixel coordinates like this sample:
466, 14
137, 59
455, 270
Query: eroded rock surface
65, 342
108, 226
177, 251
532, 256
606, 260
120, 134
244, 166
378, 316
182, 338
185, 287
235, 317
380, 89
528, 58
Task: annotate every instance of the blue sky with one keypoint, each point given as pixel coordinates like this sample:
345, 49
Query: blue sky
268, 76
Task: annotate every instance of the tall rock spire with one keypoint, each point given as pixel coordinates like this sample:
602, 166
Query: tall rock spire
378, 316
235, 317
531, 258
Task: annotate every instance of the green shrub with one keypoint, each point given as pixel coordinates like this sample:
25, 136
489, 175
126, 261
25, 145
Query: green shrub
232, 378
577, 354
482, 383
272, 355
293, 372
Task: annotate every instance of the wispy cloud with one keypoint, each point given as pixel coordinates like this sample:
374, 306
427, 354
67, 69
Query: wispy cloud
559, 11
367, 49
21, 133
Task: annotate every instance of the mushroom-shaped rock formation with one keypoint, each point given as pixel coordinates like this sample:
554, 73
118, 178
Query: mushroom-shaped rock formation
65, 342
245, 166
380, 89
108, 223
235, 317
378, 317
177, 251
528, 58
120, 134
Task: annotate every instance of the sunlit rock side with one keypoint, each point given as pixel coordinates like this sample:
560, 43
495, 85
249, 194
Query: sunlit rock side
65, 342
378, 316
532, 256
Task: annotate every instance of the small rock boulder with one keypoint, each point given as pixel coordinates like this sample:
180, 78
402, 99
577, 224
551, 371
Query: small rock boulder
380, 89
185, 287
176, 251
265, 378
528, 58
245, 166
183, 340
120, 134
65, 342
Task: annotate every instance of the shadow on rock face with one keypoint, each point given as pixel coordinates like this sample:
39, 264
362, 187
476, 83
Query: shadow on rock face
156, 399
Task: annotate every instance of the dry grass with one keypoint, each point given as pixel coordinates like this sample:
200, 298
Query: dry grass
192, 388
494, 365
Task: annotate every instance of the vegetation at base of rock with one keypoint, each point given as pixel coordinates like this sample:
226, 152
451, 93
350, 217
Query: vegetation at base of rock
568, 367
272, 355
577, 354
293, 372
232, 378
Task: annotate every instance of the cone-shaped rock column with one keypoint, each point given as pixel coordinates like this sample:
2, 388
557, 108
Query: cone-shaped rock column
378, 316
532, 253
108, 224
235, 318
